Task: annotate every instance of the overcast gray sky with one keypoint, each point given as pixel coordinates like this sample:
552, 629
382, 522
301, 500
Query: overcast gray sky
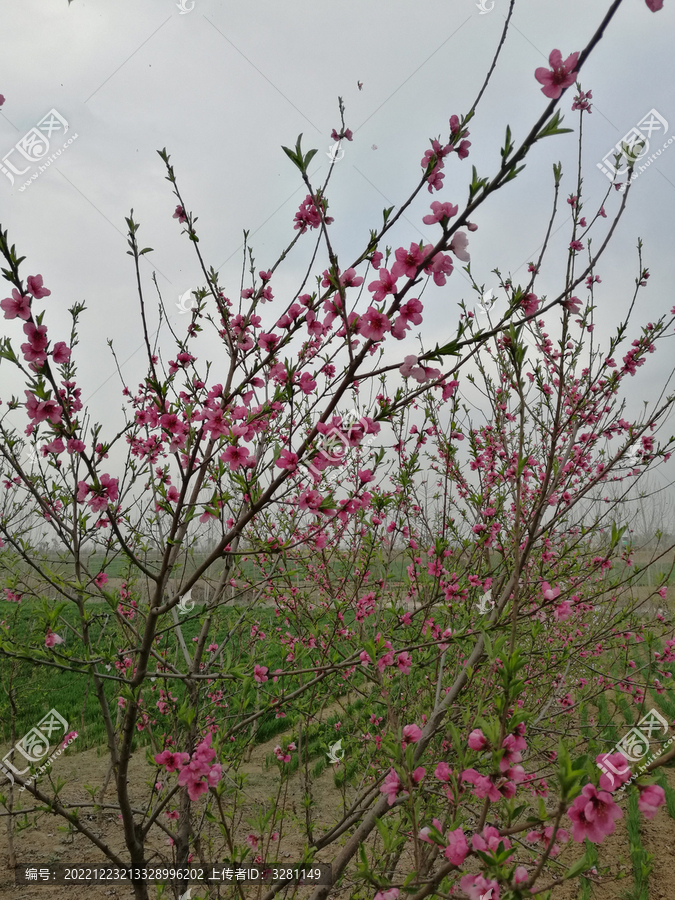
224, 85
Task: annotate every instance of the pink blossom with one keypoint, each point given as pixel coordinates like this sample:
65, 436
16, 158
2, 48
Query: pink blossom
260, 674
560, 76
457, 848
449, 389
288, 460
386, 285
511, 745
441, 212
374, 324
172, 761
51, 638
108, 491
411, 311
180, 215
34, 287
592, 815
443, 772
37, 336
475, 887
268, 342
390, 787
435, 179
40, 410
236, 457
462, 148
618, 767
562, 611
200, 767
101, 579
549, 592
399, 328
654, 5
307, 382
391, 894
545, 835
16, 305
349, 278
581, 101
409, 366
651, 797
489, 839
408, 261
34, 350
458, 245
483, 785
477, 740
411, 734
384, 661
404, 662
309, 215
572, 305
529, 304
68, 738
281, 755
440, 268
520, 875
575, 246
410, 369
61, 353
424, 832
310, 500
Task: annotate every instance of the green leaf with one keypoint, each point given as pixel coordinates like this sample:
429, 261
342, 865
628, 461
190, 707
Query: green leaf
293, 157
514, 172
508, 144
553, 127
450, 349
580, 866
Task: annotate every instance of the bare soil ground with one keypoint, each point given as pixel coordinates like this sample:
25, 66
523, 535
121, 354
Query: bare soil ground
47, 844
